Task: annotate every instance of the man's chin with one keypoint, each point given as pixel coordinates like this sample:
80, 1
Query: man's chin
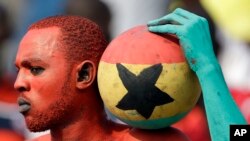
36, 126
37, 122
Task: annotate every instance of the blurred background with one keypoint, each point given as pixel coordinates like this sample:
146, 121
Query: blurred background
229, 25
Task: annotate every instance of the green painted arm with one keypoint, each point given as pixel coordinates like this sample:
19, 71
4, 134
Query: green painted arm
194, 35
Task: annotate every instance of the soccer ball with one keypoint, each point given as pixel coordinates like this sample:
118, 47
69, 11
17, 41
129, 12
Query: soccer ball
145, 81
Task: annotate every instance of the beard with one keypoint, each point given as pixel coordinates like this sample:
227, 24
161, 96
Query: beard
56, 115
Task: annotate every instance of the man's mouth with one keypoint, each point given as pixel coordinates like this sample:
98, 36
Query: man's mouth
24, 105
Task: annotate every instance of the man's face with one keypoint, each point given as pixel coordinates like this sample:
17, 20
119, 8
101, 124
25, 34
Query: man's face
44, 81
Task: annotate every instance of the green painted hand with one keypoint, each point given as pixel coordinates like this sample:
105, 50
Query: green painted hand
194, 36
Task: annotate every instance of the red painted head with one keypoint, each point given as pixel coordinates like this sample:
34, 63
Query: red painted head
56, 60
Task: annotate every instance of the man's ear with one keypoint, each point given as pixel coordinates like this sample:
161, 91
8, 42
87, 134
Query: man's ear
86, 73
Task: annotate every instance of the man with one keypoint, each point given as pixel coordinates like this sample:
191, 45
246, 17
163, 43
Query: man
57, 63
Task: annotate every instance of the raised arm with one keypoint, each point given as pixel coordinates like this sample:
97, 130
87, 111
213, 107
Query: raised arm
194, 35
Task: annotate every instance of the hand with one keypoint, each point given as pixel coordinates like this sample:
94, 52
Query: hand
193, 33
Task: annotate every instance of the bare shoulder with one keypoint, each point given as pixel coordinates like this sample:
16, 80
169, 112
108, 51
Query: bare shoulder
169, 133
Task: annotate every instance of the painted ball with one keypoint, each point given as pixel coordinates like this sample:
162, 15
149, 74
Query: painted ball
145, 81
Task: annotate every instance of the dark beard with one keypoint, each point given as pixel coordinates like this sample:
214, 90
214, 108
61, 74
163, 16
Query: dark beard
52, 118
56, 115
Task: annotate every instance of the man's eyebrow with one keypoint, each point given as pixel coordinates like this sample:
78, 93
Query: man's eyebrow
30, 61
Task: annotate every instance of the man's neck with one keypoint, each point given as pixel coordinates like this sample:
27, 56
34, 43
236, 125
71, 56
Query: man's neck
80, 130
90, 124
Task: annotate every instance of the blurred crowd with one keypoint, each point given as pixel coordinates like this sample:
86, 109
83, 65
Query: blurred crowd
230, 29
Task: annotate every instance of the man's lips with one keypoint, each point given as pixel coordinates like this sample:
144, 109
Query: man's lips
24, 105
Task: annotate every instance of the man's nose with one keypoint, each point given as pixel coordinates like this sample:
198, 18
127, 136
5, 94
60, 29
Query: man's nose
21, 84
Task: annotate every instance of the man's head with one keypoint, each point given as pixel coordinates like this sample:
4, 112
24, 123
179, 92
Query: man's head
81, 38
56, 60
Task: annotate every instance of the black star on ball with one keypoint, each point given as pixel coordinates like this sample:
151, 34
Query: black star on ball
142, 94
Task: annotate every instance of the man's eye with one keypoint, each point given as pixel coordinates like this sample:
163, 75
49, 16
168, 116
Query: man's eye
36, 70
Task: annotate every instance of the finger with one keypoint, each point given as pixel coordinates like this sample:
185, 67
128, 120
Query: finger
168, 28
154, 22
185, 14
171, 18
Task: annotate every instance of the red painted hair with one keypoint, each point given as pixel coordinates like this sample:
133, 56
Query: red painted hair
81, 38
